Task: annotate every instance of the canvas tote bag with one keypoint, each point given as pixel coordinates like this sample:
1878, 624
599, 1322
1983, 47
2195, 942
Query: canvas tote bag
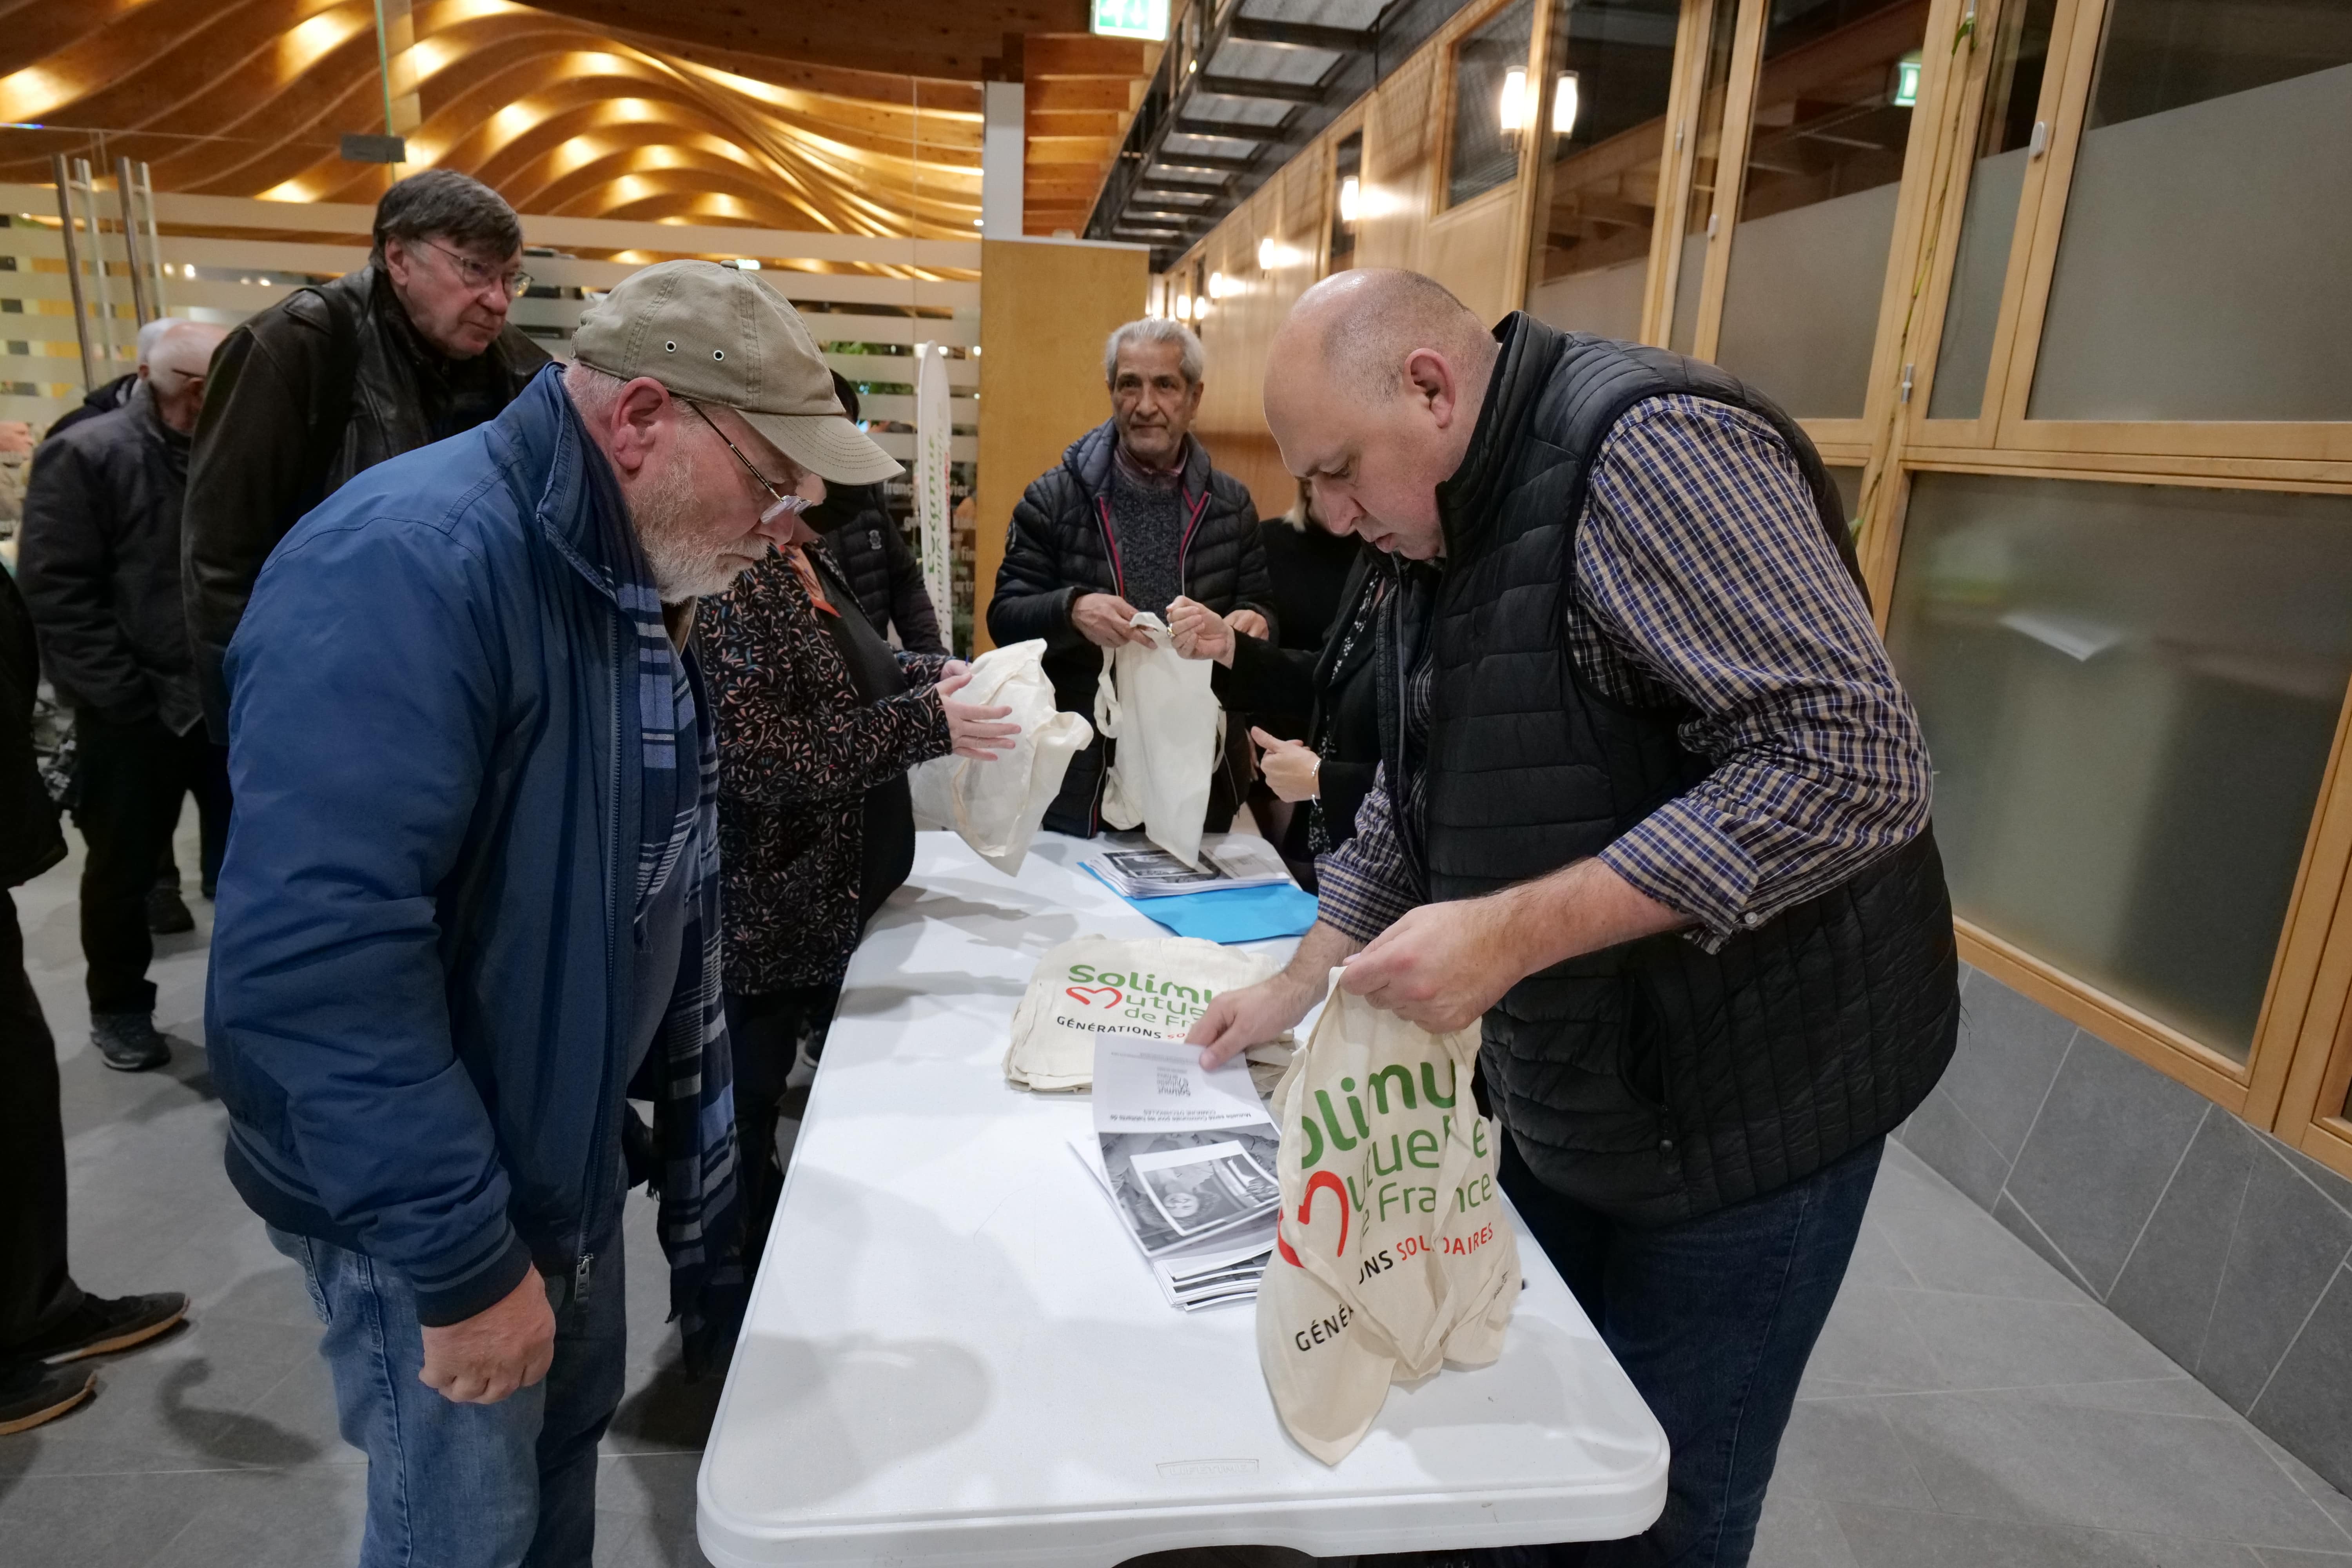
1395, 1257
995, 805
1093, 987
1156, 705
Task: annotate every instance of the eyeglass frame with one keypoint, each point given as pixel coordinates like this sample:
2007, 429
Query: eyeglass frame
786, 502
515, 284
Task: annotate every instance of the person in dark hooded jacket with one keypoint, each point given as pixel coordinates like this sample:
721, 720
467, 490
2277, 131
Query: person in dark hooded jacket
872, 554
1134, 518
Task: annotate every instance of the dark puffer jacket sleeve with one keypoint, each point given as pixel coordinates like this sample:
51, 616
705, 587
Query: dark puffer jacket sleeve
1033, 593
1255, 588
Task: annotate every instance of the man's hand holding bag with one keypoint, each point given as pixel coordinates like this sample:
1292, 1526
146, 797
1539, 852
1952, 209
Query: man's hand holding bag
1395, 1257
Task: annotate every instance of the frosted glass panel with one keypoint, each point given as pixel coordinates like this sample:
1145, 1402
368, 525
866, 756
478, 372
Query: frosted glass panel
1848, 479
1607, 301
1605, 131
1688, 279
2201, 271
1492, 106
2129, 692
1800, 306
2004, 134
1965, 356
1817, 207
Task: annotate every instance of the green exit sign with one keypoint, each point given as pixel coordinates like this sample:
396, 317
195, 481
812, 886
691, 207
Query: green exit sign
1131, 19
1906, 80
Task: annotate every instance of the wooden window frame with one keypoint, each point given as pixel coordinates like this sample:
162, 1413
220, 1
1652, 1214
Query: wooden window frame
2298, 1069
1678, 158
1451, 38
2298, 1073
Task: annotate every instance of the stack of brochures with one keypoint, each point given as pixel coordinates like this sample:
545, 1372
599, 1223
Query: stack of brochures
1139, 870
1187, 1159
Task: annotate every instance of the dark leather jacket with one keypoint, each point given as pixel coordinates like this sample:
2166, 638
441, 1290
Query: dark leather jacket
324, 385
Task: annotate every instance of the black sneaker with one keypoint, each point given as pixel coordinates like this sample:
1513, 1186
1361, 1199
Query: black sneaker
167, 912
128, 1041
104, 1324
31, 1393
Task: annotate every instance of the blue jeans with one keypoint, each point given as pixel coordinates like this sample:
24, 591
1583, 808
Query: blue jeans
1714, 1320
510, 1485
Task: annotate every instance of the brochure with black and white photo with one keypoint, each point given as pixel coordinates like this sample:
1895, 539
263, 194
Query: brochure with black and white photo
1187, 1158
1141, 870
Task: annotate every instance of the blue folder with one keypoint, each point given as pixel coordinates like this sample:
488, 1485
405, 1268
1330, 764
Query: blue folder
1230, 914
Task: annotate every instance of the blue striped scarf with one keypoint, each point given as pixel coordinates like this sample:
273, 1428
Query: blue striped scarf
694, 1110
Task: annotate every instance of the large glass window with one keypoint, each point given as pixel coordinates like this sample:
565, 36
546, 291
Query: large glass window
1706, 162
2004, 141
1611, 67
2201, 271
1817, 207
2129, 692
1494, 112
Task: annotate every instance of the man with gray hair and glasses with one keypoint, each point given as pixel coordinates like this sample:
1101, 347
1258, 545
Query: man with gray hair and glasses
1132, 519
411, 349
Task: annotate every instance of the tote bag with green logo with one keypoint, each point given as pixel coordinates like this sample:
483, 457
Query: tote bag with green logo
1395, 1257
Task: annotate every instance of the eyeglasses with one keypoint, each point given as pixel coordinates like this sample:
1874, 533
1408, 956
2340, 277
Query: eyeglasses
479, 275
784, 504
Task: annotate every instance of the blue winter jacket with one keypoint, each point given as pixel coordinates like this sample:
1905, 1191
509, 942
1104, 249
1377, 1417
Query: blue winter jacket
421, 992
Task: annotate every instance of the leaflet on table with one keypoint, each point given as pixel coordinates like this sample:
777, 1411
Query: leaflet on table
1186, 1155
1141, 870
1215, 1270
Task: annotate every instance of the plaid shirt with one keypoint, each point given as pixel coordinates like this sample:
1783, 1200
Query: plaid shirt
1704, 580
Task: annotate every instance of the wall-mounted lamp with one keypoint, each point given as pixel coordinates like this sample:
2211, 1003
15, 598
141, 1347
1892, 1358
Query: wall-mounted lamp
1564, 104
1217, 286
1351, 199
1183, 306
1513, 111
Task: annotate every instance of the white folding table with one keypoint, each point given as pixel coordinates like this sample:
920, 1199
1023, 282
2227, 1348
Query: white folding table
954, 1353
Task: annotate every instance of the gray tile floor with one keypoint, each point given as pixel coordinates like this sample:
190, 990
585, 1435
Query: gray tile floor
1968, 1407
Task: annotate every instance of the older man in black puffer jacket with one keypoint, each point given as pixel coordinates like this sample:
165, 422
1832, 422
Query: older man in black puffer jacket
1134, 518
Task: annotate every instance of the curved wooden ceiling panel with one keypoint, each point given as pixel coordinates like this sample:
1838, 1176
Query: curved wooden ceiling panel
249, 97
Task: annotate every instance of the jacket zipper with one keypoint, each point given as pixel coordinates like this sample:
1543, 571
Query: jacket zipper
1118, 586
1110, 542
1184, 548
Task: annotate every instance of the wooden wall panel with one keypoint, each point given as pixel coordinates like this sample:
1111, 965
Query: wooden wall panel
1046, 306
1400, 146
1289, 210
1471, 249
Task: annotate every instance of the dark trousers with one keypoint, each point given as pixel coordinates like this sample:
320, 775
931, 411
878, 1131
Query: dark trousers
35, 1291
211, 827
767, 1031
131, 778
1714, 1320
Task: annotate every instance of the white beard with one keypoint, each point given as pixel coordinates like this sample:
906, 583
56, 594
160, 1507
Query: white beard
664, 512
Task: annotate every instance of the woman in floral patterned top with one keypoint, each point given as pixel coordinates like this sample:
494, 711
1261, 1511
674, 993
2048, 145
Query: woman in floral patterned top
818, 721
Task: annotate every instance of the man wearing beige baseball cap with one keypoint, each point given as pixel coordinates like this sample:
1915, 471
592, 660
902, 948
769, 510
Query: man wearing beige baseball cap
471, 902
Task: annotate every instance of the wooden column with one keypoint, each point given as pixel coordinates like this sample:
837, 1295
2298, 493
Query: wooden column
1045, 307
